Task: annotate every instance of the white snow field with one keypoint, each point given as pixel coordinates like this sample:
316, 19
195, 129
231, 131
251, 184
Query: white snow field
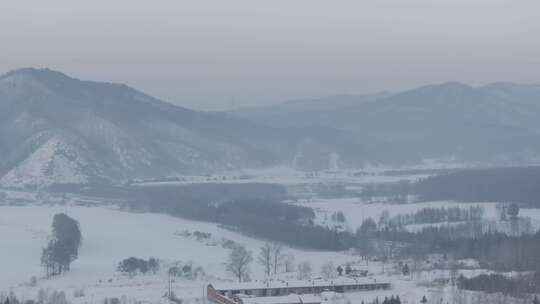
111, 235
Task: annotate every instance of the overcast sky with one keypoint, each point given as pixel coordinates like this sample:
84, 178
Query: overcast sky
223, 53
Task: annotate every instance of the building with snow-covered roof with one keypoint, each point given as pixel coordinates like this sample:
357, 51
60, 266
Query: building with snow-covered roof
290, 299
281, 288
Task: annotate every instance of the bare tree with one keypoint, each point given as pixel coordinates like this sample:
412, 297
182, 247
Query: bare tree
289, 262
239, 260
328, 270
304, 271
454, 273
265, 258
277, 256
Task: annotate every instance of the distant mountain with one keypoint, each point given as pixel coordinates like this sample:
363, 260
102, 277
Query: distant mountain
304, 112
496, 122
55, 129
59, 130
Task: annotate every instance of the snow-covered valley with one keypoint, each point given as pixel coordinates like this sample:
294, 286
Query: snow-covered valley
111, 235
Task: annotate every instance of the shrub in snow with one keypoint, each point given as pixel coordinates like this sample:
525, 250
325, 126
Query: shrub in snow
111, 301
133, 265
33, 281
228, 244
78, 293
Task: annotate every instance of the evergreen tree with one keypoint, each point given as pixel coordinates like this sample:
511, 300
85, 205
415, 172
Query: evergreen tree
340, 270
406, 270
63, 247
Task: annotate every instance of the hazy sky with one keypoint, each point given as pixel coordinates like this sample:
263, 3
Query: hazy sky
217, 54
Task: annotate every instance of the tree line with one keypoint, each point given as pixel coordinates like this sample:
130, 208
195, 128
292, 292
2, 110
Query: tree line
514, 184
509, 184
492, 283
439, 215
495, 250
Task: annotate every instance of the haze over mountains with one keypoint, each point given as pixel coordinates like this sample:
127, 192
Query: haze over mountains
496, 122
56, 130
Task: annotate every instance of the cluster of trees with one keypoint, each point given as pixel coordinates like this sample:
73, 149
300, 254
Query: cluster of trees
495, 250
438, 215
63, 246
392, 300
514, 184
271, 258
510, 184
304, 271
508, 211
11, 299
134, 265
328, 270
491, 283
44, 296
285, 223
387, 223
501, 252
393, 228
187, 271
257, 211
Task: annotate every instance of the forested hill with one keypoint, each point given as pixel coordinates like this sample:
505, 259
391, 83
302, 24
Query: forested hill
512, 184
496, 122
55, 129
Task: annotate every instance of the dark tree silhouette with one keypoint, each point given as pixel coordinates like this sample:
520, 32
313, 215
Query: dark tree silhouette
63, 247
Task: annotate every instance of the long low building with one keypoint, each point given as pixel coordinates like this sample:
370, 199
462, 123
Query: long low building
290, 299
284, 288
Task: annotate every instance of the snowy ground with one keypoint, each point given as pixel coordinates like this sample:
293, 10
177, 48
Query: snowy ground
112, 235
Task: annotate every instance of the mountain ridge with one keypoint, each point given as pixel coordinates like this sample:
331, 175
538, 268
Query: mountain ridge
118, 132
453, 119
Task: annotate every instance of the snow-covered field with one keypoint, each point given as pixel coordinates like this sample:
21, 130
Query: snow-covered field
112, 235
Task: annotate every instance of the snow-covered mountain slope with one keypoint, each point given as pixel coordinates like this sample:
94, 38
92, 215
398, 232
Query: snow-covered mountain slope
54, 162
57, 129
